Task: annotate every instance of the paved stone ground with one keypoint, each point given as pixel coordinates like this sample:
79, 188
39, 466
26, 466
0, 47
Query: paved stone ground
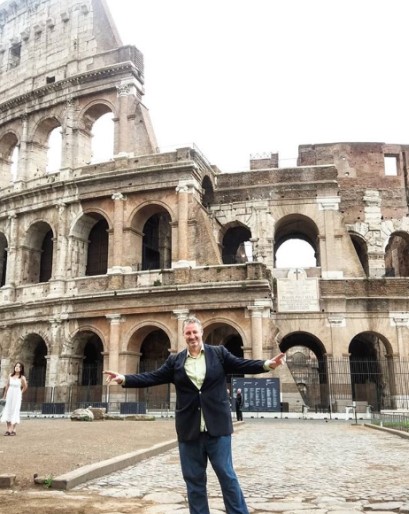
284, 466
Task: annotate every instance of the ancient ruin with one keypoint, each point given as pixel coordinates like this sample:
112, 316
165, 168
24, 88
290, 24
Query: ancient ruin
101, 260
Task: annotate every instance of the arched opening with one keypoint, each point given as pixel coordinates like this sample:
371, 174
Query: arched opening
3, 259
226, 335
86, 369
237, 247
34, 357
397, 255
208, 193
154, 352
92, 363
44, 151
361, 249
54, 152
96, 139
372, 371
38, 253
295, 253
102, 147
308, 366
234, 344
38, 370
89, 251
46, 261
151, 238
296, 242
97, 258
156, 243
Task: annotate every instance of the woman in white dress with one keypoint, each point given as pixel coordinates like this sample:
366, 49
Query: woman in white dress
13, 393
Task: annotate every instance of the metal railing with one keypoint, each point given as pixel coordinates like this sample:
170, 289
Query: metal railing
395, 420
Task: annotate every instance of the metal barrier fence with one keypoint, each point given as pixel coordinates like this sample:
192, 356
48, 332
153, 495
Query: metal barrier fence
397, 421
381, 383
332, 383
64, 399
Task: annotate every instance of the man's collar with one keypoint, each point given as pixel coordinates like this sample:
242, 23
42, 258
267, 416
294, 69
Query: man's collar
201, 351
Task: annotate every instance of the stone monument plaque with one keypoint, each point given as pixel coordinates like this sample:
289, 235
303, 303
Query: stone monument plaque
297, 293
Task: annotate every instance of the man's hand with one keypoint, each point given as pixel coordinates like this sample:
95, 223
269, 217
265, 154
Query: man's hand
276, 361
113, 377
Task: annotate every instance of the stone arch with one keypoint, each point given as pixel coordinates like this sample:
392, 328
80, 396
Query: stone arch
87, 364
208, 191
311, 373
227, 333
3, 258
8, 143
151, 236
372, 370
218, 330
89, 244
361, 248
295, 227
38, 253
87, 118
149, 347
136, 334
38, 146
236, 243
397, 255
33, 353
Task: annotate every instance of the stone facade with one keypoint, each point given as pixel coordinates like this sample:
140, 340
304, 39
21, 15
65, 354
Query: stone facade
101, 262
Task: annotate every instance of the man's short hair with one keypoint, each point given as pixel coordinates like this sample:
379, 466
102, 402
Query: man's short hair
190, 320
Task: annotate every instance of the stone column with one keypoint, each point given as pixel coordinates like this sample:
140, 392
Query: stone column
5, 371
114, 393
23, 153
67, 162
181, 315
118, 254
12, 276
121, 139
401, 322
256, 314
61, 250
183, 207
330, 243
184, 189
114, 340
53, 357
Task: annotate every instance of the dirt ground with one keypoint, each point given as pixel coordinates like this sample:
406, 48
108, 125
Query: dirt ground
51, 447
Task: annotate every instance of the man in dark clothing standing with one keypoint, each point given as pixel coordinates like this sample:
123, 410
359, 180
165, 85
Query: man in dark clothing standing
239, 405
203, 418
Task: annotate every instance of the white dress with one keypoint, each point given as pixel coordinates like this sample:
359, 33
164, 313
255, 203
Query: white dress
11, 412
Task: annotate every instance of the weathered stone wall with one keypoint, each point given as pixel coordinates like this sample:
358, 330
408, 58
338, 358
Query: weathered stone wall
166, 218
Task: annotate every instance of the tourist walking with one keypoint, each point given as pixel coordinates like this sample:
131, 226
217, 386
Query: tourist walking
13, 394
203, 417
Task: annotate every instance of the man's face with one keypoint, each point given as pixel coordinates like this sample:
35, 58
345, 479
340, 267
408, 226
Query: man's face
193, 337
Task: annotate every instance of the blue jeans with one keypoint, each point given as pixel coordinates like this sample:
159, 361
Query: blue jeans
193, 458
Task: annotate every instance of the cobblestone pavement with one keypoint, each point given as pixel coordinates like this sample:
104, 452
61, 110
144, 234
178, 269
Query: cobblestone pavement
284, 466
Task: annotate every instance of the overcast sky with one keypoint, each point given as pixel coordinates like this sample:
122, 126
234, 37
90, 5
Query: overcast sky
241, 77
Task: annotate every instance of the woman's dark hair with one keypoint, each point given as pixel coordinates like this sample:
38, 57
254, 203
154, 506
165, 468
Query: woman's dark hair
21, 369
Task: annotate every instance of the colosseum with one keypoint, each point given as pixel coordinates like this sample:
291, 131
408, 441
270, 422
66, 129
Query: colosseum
103, 259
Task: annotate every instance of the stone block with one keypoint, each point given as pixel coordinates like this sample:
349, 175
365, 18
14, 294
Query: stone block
82, 415
7, 480
98, 412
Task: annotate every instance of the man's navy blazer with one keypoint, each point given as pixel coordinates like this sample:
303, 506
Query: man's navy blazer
211, 398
